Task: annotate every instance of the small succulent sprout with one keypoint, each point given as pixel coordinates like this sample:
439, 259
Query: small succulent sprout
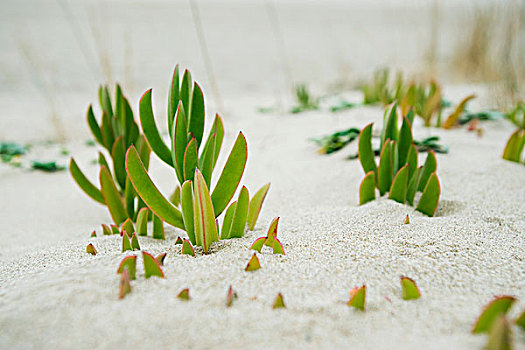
93, 234
106, 230
126, 244
272, 232
500, 335
184, 294
407, 220
160, 258
358, 298
178, 241
230, 297
253, 264
515, 146
256, 205
151, 266
278, 247
90, 249
238, 223
258, 244
430, 198
125, 286
278, 303
367, 189
496, 308
142, 222
187, 248
127, 227
520, 321
409, 289
158, 228
135, 242
129, 263
114, 229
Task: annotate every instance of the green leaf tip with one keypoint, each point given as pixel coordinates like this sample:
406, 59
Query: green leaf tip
430, 197
358, 298
151, 266
125, 286
499, 306
278, 303
127, 227
205, 227
407, 220
184, 294
93, 234
520, 321
114, 229
409, 289
178, 241
129, 263
187, 248
142, 222
256, 206
106, 230
367, 188
230, 297
158, 228
135, 242
258, 244
160, 258
278, 247
82, 181
90, 249
272, 232
253, 264
365, 151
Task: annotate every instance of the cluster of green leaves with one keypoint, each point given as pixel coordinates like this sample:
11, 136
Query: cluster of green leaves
270, 240
128, 270
116, 132
398, 173
196, 207
305, 100
516, 142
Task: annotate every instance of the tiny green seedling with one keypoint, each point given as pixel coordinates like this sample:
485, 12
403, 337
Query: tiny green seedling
126, 244
115, 230
496, 308
135, 242
184, 294
106, 230
127, 227
230, 297
125, 286
178, 241
158, 228
253, 264
358, 298
500, 335
93, 234
305, 101
278, 303
270, 240
258, 244
278, 247
409, 289
160, 258
151, 266
90, 249
407, 220
272, 232
187, 248
129, 263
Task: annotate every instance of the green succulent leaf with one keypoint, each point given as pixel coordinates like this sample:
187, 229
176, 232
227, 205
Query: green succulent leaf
256, 206
253, 264
278, 246
185, 92
514, 146
430, 198
412, 185
231, 175
83, 182
102, 161
358, 298
184, 294
106, 230
366, 153
126, 244
127, 227
90, 249
207, 159
405, 141
106, 129
390, 130
118, 155
213, 145
135, 242
114, 229
272, 232
411, 161
125, 286
409, 289
158, 228
367, 189
142, 222
173, 98
429, 168
179, 142
204, 217
385, 171
112, 197
105, 100
227, 222
196, 122
151, 266
453, 118
93, 125
278, 303
500, 336
187, 209
187, 248
191, 159
258, 244
496, 308
241, 213
149, 192
398, 191
129, 263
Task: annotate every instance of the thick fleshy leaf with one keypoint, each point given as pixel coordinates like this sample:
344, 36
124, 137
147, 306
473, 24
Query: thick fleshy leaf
94, 234
175, 197
106, 129
253, 264
114, 229
385, 171
178, 240
358, 298
514, 146
186, 93
106, 230
129, 263
278, 303
412, 185
407, 220
118, 155
500, 336
90, 249
453, 118
241, 213
409, 289
367, 189
105, 100
83, 182
206, 160
173, 97
135, 242
197, 114
160, 258
187, 248
390, 130
112, 197
147, 120
125, 286
430, 198
429, 168
258, 244
412, 161
151, 266
231, 175
191, 159
218, 130
366, 153
230, 297
520, 321
278, 247
127, 227
179, 142
93, 125
149, 192
256, 206
129, 198
126, 244
227, 222
203, 216
102, 160
187, 209
184, 294
405, 141
272, 232
158, 228
142, 222
398, 191
496, 308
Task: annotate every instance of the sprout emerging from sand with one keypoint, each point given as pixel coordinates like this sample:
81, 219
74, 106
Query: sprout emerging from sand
407, 220
230, 297
270, 240
409, 289
358, 298
151, 266
158, 228
397, 173
184, 294
127, 227
496, 308
135, 242
106, 230
90, 249
117, 131
187, 248
125, 286
142, 222
178, 241
193, 159
126, 244
253, 264
93, 234
129, 263
160, 258
278, 303
500, 336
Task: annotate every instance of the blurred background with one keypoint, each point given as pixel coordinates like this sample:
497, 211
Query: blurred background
249, 53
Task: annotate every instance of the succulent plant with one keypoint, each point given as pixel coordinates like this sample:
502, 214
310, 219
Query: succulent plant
187, 248
305, 101
151, 266
278, 303
409, 289
193, 160
500, 335
253, 264
498, 307
90, 249
516, 143
116, 132
129, 263
184, 294
125, 285
397, 173
358, 298
270, 239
